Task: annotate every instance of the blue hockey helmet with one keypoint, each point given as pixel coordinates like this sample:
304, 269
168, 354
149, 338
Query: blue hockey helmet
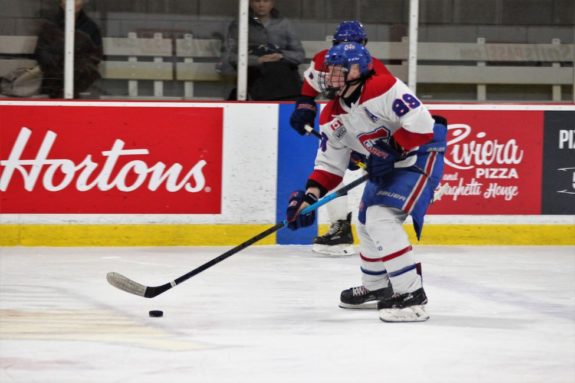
348, 31
348, 54
345, 56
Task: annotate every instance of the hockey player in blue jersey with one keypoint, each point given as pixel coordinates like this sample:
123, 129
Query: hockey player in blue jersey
380, 117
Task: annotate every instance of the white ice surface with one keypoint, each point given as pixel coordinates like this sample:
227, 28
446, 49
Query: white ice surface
269, 314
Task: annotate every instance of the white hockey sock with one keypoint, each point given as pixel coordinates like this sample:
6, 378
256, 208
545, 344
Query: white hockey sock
338, 209
373, 274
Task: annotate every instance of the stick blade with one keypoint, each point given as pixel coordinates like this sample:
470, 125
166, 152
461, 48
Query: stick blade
124, 283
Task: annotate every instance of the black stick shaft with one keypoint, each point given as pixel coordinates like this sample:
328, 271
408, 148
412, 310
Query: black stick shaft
151, 292
340, 192
230, 252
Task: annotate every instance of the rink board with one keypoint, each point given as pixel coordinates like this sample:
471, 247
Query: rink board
233, 235
208, 173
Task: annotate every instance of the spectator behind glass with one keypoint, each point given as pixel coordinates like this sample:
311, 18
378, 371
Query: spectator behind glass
274, 53
50, 52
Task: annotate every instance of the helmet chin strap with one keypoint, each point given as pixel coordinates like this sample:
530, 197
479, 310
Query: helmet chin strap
358, 81
345, 88
347, 84
330, 93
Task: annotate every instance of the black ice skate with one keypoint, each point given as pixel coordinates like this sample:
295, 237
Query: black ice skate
361, 298
408, 307
337, 241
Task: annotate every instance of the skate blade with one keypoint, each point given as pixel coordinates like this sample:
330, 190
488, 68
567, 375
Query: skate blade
364, 306
334, 251
408, 314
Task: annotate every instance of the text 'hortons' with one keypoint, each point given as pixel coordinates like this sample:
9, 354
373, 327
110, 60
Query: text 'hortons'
87, 174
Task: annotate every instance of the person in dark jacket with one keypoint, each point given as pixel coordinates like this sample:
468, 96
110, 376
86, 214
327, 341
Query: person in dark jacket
49, 52
274, 53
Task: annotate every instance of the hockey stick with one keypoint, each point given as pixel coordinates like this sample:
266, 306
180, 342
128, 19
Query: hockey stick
310, 130
124, 283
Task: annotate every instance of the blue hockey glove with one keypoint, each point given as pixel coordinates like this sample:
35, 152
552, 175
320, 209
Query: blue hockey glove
303, 114
379, 166
295, 220
355, 159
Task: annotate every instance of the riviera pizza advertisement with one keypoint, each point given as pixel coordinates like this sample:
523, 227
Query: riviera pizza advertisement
493, 162
110, 160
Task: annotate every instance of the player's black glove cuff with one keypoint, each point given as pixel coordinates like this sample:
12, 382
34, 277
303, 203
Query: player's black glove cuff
313, 184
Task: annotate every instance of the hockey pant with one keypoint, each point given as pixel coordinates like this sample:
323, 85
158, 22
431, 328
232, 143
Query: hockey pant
385, 252
406, 189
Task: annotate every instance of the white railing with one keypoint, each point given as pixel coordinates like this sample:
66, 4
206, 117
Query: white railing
192, 60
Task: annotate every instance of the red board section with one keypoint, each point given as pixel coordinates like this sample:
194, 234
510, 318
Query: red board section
110, 160
493, 163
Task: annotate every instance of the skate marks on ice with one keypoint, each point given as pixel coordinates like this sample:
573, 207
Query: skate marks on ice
48, 313
270, 314
500, 287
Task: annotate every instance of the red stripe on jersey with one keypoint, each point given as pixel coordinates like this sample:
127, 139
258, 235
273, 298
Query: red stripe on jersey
326, 179
380, 68
308, 90
388, 257
376, 86
319, 59
409, 140
420, 185
331, 110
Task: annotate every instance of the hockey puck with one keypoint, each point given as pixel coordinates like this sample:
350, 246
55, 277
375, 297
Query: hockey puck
156, 313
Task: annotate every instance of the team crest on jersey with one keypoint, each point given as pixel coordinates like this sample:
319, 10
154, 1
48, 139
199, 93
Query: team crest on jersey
338, 129
369, 140
370, 115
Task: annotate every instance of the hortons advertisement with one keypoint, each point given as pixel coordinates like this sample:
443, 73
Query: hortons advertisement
74, 160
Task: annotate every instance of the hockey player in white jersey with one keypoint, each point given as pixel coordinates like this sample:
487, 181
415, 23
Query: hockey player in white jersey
380, 117
339, 238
